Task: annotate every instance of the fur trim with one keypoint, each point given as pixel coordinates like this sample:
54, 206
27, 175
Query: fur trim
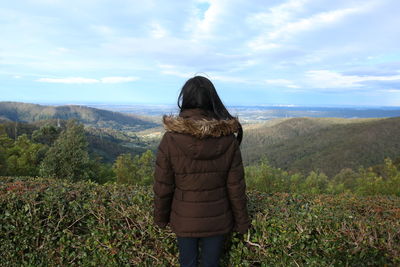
200, 128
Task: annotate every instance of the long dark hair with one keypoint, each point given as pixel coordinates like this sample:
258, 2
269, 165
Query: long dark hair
199, 92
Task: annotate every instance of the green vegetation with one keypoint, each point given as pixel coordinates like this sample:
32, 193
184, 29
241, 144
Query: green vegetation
322, 144
68, 158
105, 143
54, 222
134, 170
378, 180
63, 152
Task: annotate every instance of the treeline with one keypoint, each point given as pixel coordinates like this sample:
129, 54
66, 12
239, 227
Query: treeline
62, 152
382, 179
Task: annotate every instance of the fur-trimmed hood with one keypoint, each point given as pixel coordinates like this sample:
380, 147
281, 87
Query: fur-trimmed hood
200, 124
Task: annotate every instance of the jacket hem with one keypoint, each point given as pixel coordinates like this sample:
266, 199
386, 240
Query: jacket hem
202, 234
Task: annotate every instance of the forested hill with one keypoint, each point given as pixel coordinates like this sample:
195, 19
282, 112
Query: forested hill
26, 112
326, 144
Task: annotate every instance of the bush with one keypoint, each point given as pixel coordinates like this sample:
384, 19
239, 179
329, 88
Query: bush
385, 181
55, 222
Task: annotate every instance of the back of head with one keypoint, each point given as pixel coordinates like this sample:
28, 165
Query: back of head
199, 92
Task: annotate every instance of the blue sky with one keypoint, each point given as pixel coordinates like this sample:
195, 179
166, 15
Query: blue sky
301, 52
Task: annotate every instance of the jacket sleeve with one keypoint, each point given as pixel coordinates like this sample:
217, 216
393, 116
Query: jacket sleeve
236, 185
163, 185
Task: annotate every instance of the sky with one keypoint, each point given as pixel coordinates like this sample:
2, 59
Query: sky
294, 52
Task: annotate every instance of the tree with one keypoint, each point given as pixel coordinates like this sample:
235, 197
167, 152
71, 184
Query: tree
101, 172
5, 144
24, 157
47, 134
68, 157
125, 169
146, 167
134, 170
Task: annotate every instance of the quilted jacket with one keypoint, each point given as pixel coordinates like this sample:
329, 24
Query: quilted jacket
199, 186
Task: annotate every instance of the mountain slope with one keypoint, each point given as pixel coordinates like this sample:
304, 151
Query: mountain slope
26, 112
305, 144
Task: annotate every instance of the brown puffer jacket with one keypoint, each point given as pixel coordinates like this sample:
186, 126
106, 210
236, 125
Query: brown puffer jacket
199, 186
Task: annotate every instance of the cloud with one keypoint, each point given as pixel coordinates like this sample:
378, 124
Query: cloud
396, 91
313, 22
281, 22
282, 82
157, 31
118, 79
174, 71
333, 80
70, 80
80, 80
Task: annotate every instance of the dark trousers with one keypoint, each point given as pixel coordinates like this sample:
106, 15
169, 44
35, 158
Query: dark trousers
211, 249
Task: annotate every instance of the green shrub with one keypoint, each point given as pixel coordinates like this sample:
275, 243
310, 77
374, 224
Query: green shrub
55, 222
266, 178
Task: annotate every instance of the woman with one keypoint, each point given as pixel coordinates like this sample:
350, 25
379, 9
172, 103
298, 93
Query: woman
199, 181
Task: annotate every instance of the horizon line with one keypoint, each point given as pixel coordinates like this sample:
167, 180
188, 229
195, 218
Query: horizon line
99, 103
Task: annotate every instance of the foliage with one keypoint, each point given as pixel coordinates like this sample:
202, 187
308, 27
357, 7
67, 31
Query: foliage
24, 157
46, 134
104, 142
54, 222
68, 157
266, 178
5, 144
134, 170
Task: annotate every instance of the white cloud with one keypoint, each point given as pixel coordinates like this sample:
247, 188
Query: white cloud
211, 15
80, 80
313, 22
157, 31
103, 30
397, 91
174, 71
335, 80
69, 80
278, 15
282, 82
230, 79
118, 79
282, 22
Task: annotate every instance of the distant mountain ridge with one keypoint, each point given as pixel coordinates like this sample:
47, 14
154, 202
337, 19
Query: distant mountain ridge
27, 112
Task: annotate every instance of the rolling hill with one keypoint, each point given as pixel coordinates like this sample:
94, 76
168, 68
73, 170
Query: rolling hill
26, 112
326, 144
